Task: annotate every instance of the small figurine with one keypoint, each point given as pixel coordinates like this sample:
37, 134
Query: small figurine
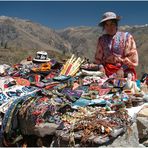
131, 85
120, 73
119, 80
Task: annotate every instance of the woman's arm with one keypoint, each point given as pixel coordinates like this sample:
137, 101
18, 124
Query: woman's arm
130, 53
99, 53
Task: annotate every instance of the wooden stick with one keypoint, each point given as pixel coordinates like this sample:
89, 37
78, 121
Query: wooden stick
64, 68
76, 69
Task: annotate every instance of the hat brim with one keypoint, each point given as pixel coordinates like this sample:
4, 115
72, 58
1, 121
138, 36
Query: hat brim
38, 60
109, 18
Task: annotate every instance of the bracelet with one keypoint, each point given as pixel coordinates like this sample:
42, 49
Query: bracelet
124, 67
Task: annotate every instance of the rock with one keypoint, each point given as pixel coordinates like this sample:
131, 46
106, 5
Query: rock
145, 143
143, 112
116, 132
29, 128
100, 140
142, 125
129, 138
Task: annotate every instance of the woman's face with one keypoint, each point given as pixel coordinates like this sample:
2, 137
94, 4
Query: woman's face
110, 27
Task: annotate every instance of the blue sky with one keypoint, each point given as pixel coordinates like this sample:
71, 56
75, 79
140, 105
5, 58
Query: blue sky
62, 14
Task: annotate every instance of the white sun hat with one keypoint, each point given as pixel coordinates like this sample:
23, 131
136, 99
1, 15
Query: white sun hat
109, 16
41, 56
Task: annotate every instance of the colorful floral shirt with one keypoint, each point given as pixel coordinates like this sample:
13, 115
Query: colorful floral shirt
121, 45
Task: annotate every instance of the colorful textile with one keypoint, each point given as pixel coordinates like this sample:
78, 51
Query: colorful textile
6, 124
23, 82
13, 93
72, 95
6, 82
101, 91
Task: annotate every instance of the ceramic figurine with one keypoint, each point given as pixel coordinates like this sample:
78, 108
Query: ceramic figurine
131, 85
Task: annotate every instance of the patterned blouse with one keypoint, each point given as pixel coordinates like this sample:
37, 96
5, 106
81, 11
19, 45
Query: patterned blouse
121, 45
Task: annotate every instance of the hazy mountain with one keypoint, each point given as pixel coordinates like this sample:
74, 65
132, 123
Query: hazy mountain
83, 40
24, 37
20, 38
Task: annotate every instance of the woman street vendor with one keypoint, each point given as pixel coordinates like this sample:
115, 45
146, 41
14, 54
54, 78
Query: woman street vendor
115, 49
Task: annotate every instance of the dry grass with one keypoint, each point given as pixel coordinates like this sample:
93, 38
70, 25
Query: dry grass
13, 56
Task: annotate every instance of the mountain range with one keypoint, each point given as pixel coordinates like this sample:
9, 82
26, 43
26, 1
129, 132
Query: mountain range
21, 38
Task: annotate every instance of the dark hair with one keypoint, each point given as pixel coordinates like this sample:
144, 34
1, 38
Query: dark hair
113, 20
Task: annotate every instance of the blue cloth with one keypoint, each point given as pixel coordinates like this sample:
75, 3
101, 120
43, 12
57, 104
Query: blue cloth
138, 83
82, 102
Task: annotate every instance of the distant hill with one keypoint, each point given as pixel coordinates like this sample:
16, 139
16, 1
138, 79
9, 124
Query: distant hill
23, 37
20, 38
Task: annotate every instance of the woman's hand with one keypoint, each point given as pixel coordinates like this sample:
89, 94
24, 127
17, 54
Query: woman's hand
110, 59
118, 59
126, 60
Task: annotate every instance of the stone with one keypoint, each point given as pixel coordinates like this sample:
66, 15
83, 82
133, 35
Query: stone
145, 143
142, 125
129, 138
143, 112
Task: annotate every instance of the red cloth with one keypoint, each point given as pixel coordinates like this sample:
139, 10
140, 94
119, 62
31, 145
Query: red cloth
110, 69
22, 81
